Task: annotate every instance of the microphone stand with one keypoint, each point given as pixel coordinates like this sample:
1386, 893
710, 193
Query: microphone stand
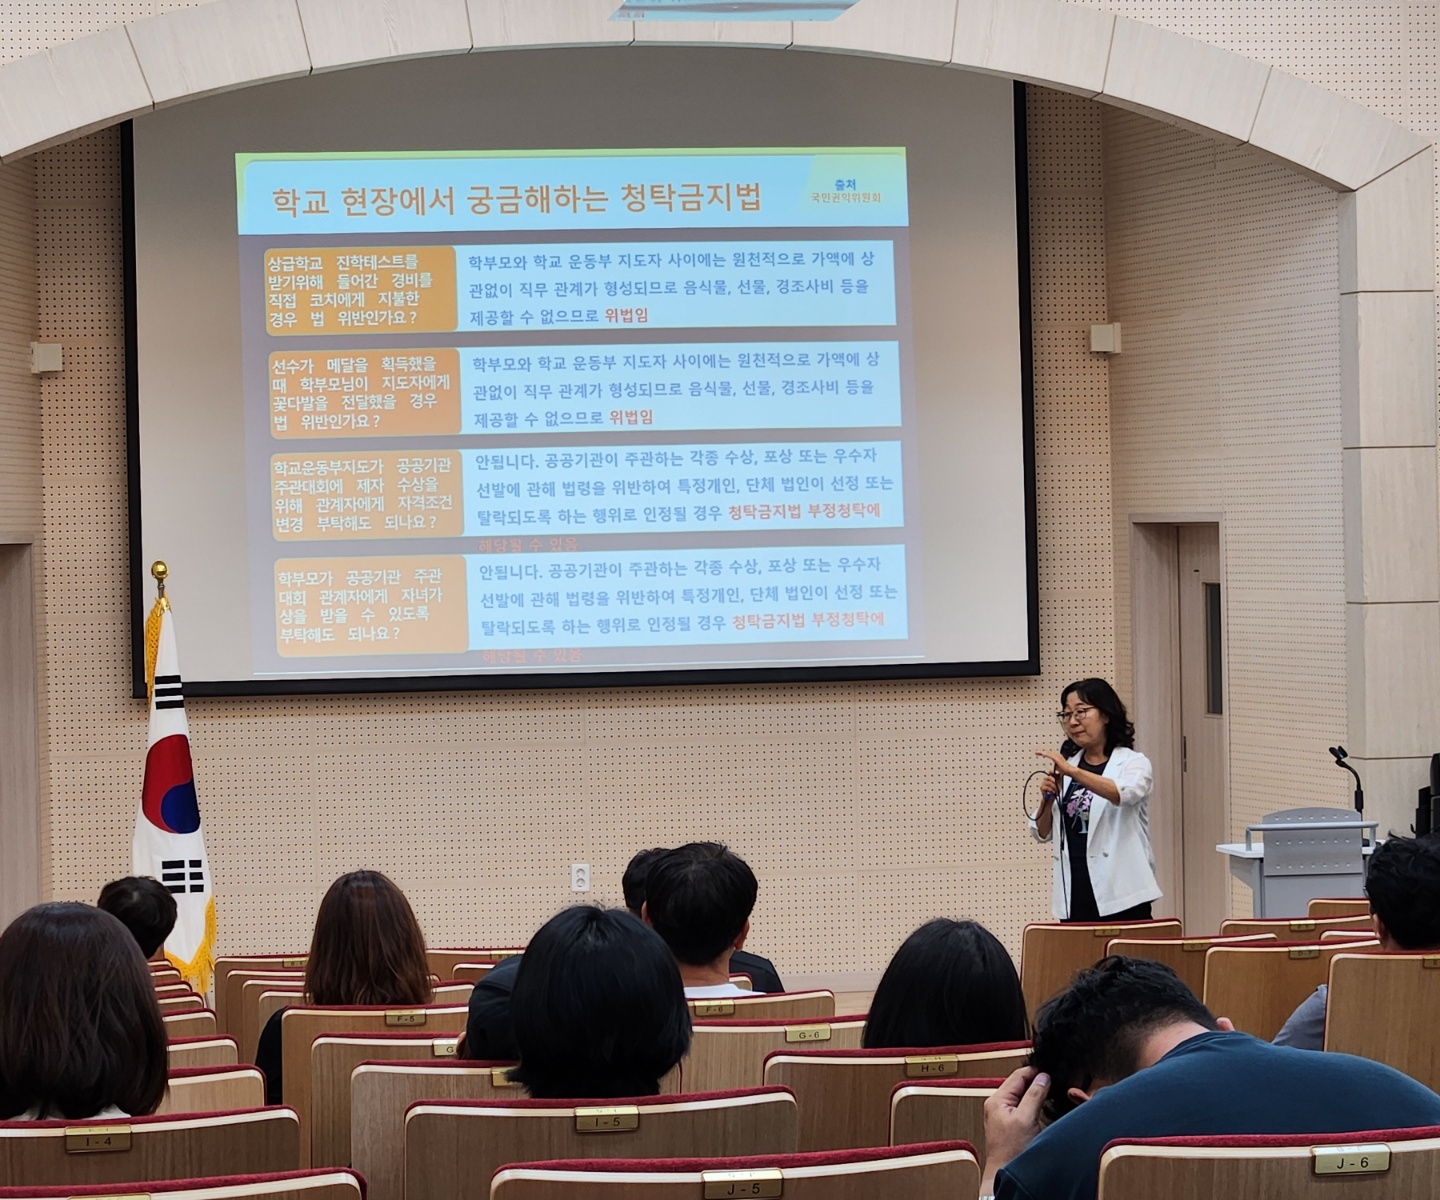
1340, 756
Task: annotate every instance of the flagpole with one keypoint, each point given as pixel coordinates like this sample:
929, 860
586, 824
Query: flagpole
161, 572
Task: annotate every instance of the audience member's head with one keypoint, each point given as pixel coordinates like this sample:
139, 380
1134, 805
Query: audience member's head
951, 983
367, 947
1403, 885
1100, 1029
144, 906
698, 899
632, 883
80, 1028
598, 1007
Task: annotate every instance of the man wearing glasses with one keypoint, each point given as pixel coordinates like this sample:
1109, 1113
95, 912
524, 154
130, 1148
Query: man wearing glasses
1104, 867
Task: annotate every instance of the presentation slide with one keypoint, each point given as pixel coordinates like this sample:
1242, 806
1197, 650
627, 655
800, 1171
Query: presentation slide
588, 500
611, 410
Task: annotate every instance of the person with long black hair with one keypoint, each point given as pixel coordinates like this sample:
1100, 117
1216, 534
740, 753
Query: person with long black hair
1104, 866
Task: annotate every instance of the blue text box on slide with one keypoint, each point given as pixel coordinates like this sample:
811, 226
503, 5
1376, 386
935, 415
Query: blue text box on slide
676, 598
682, 386
674, 489
676, 285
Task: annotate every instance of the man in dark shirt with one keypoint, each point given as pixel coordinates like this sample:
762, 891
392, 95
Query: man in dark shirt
1128, 1051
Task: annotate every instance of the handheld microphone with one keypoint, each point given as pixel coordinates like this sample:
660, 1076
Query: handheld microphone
1339, 754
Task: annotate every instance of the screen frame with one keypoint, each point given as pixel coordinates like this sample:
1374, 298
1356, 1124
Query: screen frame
703, 676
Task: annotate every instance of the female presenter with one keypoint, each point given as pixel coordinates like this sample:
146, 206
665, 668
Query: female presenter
1104, 868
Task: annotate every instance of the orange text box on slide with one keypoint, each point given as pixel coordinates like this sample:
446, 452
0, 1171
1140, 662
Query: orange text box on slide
359, 289
387, 494
364, 393
395, 605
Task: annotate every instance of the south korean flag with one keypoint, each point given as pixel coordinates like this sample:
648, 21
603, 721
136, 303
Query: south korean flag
168, 843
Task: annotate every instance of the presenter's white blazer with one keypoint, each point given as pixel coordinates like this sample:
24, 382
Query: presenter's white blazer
1118, 851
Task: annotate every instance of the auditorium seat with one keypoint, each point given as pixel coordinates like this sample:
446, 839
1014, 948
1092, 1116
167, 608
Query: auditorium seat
302, 1024
381, 1092
1385, 1007
214, 1051
333, 1059
1353, 936
214, 1089
163, 972
728, 1054
188, 1002
229, 995
945, 1170
452, 1150
1393, 1164
1294, 929
1052, 951
473, 971
1184, 956
946, 1110
1258, 986
189, 1024
844, 1095
178, 1146
1325, 907
251, 963
444, 961
766, 1006
283, 1185
261, 999
173, 987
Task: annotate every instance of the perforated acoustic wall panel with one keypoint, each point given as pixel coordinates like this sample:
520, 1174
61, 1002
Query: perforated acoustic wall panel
1223, 273
865, 809
19, 390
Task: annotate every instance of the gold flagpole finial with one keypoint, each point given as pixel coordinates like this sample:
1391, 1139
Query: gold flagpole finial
161, 572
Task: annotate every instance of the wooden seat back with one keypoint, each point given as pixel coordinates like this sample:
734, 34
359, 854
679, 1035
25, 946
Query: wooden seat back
947, 1169
473, 971
1052, 951
844, 1095
727, 1054
230, 994
333, 1059
178, 1146
175, 987
1384, 1007
302, 1024
1258, 986
260, 998
444, 961
227, 963
948, 1110
285, 1185
1323, 908
1294, 929
189, 1002
1397, 1165
452, 1150
1184, 956
766, 1006
214, 1089
189, 1024
214, 1051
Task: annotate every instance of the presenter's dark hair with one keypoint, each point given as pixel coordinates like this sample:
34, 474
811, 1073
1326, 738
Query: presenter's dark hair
367, 947
144, 906
632, 883
599, 1008
1093, 1030
1099, 694
1403, 885
951, 983
80, 1028
698, 899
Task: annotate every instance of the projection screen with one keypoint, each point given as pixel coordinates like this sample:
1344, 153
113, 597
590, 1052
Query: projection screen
600, 366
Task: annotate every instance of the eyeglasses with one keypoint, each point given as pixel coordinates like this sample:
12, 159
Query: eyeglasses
1065, 716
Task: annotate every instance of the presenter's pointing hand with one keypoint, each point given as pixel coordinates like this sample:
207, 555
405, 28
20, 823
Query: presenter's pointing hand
1056, 759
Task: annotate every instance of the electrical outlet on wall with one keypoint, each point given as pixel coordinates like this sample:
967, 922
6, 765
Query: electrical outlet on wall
579, 877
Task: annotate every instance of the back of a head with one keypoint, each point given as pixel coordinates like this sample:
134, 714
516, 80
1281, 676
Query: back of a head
367, 947
698, 898
951, 983
144, 906
1403, 884
632, 883
1094, 1029
598, 1007
80, 1028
